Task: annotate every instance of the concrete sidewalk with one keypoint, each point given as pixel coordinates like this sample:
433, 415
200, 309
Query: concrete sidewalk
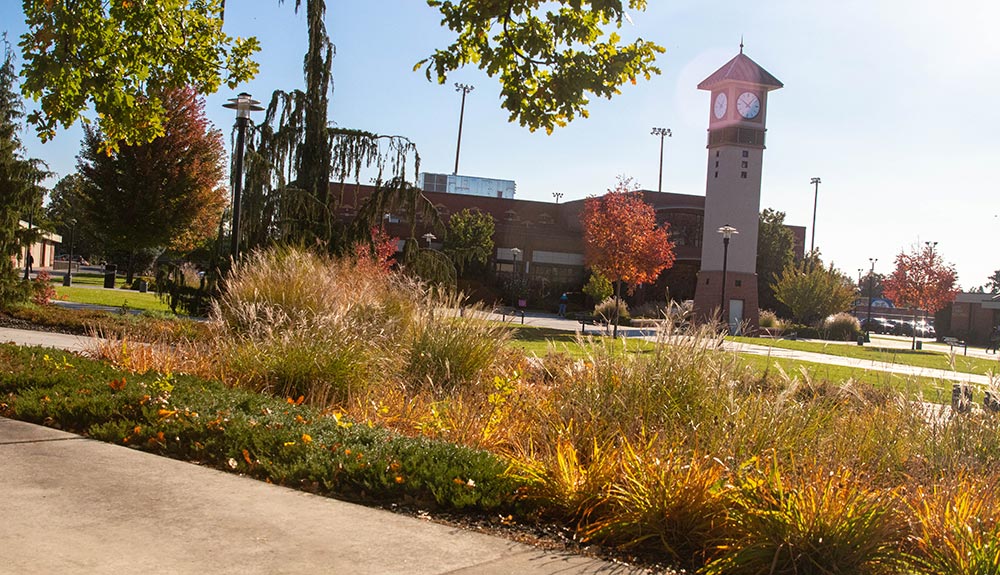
77, 506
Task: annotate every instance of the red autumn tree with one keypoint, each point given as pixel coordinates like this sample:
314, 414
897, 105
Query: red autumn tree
921, 280
168, 193
622, 241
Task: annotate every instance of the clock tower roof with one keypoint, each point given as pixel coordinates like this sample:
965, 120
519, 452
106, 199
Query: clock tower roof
741, 69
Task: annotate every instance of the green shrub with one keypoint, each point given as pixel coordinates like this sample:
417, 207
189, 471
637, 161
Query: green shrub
279, 440
606, 310
769, 319
841, 327
13, 290
448, 353
598, 287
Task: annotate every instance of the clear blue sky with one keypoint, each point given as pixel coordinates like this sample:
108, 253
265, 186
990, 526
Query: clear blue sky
894, 104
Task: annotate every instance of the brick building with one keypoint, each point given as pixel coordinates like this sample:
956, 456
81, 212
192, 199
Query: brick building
550, 236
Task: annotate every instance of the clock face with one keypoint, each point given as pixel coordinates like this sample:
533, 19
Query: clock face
748, 105
720, 105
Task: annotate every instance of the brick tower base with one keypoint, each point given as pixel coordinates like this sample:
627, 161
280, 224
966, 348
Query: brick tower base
740, 287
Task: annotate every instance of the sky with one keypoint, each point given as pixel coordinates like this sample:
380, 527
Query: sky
894, 104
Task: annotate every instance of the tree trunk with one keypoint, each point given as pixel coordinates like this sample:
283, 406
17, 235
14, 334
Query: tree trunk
129, 268
618, 303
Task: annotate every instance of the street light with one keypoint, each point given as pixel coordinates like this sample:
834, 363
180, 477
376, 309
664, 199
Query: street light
871, 279
727, 232
661, 132
464, 89
429, 237
557, 195
243, 104
812, 243
68, 278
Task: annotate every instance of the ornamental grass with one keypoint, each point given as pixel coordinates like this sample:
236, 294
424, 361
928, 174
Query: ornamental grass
679, 453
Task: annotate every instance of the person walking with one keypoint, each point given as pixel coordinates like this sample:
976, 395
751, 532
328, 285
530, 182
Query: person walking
994, 339
563, 300
31, 262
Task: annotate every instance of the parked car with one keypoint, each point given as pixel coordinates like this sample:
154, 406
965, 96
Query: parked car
878, 325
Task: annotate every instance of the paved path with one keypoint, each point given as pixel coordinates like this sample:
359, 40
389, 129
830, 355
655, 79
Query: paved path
901, 343
76, 506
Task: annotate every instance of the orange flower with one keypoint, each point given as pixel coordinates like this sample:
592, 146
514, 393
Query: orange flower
246, 457
306, 438
117, 384
399, 479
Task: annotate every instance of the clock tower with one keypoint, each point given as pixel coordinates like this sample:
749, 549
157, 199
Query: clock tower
736, 131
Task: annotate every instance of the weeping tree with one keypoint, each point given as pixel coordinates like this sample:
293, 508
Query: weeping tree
294, 154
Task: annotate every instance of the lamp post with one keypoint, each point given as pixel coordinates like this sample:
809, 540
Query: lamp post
662, 133
27, 252
812, 243
557, 195
429, 237
515, 252
68, 278
871, 280
727, 232
464, 89
243, 104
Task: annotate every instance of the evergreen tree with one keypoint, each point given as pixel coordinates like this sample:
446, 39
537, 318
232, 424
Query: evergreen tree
165, 193
16, 179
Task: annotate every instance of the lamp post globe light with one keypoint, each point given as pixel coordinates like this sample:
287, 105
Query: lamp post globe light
243, 104
557, 196
812, 243
662, 133
429, 237
727, 232
464, 89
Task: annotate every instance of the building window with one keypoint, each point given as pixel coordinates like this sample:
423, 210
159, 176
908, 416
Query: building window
744, 164
716, 174
717, 163
746, 154
707, 280
510, 216
743, 175
739, 283
717, 153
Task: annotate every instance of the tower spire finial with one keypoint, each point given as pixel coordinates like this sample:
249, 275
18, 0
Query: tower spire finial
741, 43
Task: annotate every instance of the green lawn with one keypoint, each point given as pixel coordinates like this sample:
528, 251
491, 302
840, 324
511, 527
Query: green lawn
540, 341
930, 389
111, 297
87, 279
920, 358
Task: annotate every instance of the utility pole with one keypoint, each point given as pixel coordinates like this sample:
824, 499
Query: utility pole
464, 89
661, 132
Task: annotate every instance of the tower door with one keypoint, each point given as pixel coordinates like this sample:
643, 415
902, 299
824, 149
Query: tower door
735, 316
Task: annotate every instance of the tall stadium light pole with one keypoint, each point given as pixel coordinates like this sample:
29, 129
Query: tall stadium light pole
243, 104
812, 243
727, 232
662, 133
464, 89
871, 280
557, 195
